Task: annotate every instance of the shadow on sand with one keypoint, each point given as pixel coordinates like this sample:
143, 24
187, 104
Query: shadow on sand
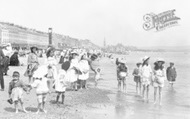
9, 109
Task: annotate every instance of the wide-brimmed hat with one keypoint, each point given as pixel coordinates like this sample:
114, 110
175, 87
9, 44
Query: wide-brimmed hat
145, 58
49, 50
122, 61
93, 57
74, 52
160, 60
33, 47
4, 45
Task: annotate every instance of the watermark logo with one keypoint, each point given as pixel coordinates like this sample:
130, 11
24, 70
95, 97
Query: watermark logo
160, 21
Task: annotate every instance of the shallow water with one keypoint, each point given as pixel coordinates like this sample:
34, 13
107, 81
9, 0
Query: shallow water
176, 100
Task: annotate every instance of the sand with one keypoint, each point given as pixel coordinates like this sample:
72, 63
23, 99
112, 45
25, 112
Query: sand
104, 101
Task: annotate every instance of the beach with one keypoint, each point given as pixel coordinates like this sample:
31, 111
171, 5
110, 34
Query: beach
104, 101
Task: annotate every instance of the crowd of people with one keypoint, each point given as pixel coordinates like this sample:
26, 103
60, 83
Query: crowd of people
75, 66
144, 76
47, 77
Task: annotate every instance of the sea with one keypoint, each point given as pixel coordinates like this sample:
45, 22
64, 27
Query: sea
175, 100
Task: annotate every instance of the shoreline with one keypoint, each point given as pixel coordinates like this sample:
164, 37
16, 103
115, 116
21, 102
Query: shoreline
103, 102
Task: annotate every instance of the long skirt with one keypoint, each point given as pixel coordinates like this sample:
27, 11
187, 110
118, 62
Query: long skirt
31, 68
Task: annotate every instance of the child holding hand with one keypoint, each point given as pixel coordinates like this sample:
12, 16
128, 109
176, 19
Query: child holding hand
42, 85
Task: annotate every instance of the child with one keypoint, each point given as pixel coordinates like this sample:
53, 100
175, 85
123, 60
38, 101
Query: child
97, 76
60, 85
159, 78
171, 74
84, 67
42, 85
16, 87
137, 78
146, 76
122, 75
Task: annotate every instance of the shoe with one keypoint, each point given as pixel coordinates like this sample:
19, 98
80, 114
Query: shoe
10, 101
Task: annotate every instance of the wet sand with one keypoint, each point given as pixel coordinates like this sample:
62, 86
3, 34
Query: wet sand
103, 102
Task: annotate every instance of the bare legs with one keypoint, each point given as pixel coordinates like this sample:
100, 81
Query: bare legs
124, 85
16, 106
145, 88
155, 93
22, 105
160, 95
123, 80
41, 103
138, 88
39, 106
119, 84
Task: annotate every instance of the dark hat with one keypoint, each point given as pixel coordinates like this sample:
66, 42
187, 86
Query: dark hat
16, 74
49, 50
93, 57
171, 63
139, 63
33, 47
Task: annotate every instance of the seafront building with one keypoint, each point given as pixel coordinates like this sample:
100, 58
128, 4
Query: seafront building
23, 37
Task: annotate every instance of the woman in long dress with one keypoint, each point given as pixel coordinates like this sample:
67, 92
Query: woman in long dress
32, 63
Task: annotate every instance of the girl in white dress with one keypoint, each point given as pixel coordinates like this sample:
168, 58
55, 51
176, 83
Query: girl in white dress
49, 66
60, 85
159, 78
73, 71
84, 67
146, 75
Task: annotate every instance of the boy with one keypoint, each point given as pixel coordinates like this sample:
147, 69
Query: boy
42, 86
16, 87
171, 74
137, 78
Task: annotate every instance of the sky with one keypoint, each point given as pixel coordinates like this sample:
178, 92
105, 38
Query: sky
116, 21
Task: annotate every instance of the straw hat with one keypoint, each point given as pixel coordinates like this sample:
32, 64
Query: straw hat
145, 58
49, 50
123, 61
74, 52
160, 60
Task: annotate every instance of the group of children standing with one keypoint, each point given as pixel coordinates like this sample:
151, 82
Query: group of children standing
46, 77
144, 76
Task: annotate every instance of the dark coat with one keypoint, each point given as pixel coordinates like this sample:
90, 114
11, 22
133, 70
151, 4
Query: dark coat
171, 74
